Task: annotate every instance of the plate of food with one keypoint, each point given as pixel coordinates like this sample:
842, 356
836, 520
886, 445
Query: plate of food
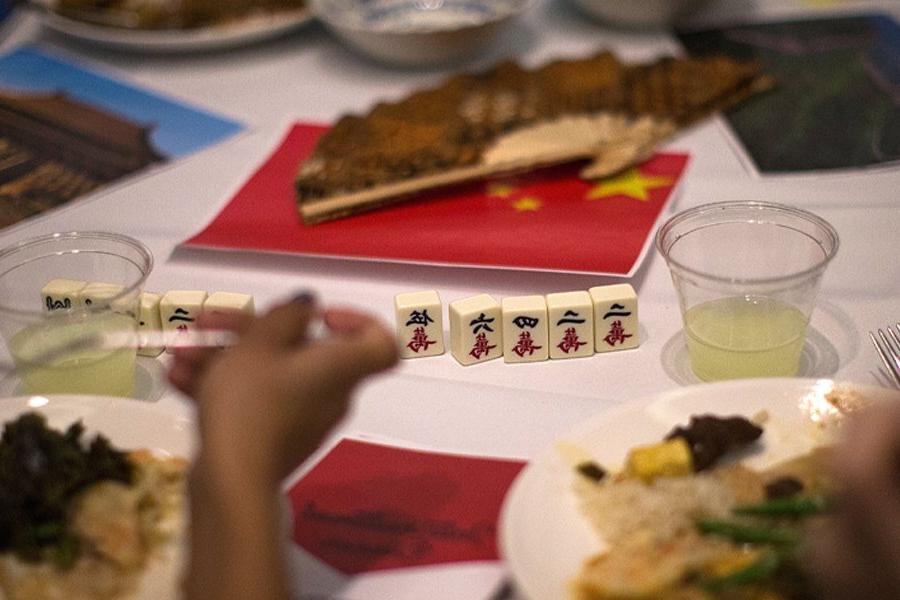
602, 113
92, 498
633, 503
163, 26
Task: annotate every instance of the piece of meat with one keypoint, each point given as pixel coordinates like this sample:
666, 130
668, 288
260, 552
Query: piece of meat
711, 437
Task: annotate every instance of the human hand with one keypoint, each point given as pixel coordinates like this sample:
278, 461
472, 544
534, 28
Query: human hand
265, 404
856, 554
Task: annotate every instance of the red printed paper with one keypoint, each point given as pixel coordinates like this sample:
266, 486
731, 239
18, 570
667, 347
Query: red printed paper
546, 220
368, 507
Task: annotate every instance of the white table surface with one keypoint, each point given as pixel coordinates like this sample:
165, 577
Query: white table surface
493, 408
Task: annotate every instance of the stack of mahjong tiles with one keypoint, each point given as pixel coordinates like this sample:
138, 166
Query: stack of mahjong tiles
519, 328
172, 313
513, 119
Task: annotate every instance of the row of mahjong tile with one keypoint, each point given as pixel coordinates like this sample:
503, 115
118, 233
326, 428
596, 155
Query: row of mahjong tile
171, 312
519, 328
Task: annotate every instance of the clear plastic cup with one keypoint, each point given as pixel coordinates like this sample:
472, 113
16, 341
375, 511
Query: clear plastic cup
747, 275
33, 326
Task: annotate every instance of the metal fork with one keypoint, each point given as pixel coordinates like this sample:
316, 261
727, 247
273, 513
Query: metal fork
888, 347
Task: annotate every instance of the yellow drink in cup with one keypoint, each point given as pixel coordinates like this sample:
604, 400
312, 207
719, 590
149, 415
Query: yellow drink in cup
746, 275
83, 371
35, 330
742, 337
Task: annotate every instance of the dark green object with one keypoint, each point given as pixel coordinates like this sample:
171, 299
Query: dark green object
793, 506
749, 534
760, 570
834, 105
41, 472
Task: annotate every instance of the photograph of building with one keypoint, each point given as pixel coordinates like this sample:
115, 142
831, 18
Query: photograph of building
54, 148
67, 130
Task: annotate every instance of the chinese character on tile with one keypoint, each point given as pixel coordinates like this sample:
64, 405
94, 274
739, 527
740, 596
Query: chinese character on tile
570, 341
525, 345
420, 341
481, 347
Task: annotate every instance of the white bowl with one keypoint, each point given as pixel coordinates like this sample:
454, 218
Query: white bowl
416, 32
639, 13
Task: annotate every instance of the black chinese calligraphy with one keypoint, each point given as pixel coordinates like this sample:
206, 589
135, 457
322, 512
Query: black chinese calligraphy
617, 310
570, 316
181, 315
58, 304
419, 318
482, 322
522, 322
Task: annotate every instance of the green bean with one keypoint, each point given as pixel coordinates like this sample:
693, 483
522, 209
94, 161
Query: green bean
760, 570
749, 534
792, 506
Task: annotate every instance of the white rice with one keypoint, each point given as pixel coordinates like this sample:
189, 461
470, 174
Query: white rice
662, 510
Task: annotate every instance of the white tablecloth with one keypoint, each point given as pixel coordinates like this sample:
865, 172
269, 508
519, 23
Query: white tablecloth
494, 408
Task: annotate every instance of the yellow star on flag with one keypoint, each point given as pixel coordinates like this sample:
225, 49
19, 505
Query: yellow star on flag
503, 190
527, 204
631, 183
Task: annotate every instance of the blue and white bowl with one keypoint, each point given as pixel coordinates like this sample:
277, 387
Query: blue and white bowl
417, 32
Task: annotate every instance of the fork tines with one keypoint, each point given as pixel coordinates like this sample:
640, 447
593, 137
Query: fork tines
888, 346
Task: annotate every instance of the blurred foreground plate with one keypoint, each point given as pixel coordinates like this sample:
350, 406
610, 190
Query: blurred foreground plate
128, 424
543, 536
231, 34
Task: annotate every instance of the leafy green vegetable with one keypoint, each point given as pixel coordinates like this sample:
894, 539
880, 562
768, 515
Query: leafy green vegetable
41, 472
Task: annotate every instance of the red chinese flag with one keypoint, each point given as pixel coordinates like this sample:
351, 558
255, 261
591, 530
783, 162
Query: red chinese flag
368, 507
546, 220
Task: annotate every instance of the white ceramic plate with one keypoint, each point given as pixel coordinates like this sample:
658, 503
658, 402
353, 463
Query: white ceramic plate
128, 424
543, 537
233, 34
